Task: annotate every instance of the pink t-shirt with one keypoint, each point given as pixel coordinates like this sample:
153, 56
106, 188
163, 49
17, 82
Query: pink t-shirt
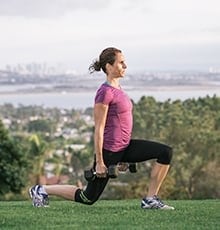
119, 120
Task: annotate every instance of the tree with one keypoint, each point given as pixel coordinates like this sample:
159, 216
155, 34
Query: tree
191, 127
13, 164
40, 125
39, 151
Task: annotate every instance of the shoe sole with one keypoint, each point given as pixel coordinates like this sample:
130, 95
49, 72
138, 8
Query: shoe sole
155, 208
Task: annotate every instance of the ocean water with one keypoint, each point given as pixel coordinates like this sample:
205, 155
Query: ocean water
82, 100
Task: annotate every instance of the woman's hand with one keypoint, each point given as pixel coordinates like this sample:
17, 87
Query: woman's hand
123, 166
101, 170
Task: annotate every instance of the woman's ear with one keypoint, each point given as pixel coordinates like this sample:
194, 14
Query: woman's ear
108, 67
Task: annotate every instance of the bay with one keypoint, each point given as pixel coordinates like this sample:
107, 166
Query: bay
85, 99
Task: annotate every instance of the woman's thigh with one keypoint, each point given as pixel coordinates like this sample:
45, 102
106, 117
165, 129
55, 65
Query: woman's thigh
142, 150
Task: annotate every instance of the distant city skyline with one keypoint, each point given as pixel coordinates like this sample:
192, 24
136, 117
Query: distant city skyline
45, 69
153, 34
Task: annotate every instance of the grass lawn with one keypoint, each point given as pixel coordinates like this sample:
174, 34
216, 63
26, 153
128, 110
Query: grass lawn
117, 214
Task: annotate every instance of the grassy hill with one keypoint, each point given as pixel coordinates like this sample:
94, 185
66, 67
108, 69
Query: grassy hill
117, 214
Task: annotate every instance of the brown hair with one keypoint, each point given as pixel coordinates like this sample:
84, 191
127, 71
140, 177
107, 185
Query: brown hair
106, 56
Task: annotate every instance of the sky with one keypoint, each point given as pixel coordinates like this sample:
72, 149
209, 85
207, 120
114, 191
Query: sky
154, 35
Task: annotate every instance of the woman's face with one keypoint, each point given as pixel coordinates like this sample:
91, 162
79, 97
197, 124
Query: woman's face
117, 70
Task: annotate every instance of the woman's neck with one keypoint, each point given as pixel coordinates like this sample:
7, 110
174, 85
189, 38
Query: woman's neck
113, 82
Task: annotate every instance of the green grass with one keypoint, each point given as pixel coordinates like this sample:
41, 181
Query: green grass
118, 214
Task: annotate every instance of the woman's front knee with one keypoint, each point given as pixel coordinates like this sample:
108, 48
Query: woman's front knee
166, 156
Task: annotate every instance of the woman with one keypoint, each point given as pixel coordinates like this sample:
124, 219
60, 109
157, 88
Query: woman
113, 143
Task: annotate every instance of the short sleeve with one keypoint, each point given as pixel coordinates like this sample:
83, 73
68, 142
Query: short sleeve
104, 95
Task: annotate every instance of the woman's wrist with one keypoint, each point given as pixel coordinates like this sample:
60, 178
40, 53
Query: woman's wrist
99, 161
99, 158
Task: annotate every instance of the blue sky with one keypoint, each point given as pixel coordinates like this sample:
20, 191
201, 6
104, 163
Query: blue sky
153, 34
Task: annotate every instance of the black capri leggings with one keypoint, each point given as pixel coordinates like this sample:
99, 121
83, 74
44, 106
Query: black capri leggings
137, 151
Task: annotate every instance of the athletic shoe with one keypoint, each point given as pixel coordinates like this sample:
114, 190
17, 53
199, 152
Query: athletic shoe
154, 203
39, 196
